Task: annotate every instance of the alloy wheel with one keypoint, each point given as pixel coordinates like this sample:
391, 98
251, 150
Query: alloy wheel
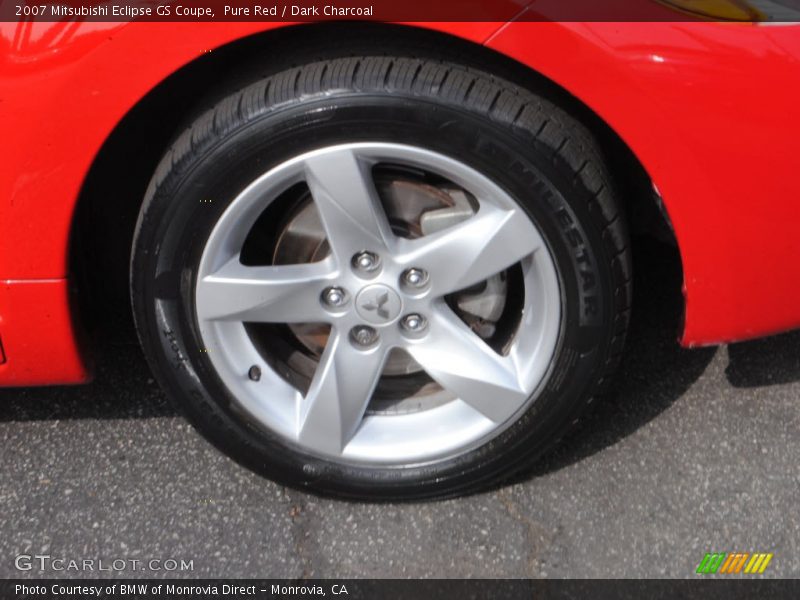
421, 333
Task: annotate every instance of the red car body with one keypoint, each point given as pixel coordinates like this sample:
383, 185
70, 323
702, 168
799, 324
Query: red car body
708, 109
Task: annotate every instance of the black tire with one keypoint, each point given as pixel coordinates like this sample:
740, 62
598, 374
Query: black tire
524, 143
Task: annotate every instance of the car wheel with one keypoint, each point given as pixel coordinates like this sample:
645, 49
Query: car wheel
382, 277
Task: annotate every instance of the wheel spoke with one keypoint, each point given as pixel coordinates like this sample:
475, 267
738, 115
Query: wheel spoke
344, 194
474, 250
334, 406
462, 363
271, 294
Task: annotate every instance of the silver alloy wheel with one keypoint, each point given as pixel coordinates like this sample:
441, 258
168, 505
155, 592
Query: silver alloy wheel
489, 389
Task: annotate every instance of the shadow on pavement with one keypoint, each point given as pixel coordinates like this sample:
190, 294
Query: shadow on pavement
770, 361
123, 389
655, 371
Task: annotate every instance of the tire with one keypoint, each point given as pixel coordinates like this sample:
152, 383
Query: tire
401, 116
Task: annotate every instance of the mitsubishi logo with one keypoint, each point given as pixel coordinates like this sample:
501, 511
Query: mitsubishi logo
378, 304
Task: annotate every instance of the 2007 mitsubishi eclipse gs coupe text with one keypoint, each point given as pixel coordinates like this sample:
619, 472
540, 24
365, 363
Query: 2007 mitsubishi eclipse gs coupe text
389, 260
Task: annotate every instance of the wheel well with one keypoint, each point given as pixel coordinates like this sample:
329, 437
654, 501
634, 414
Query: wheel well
112, 193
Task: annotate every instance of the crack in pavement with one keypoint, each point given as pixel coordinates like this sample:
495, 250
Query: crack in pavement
300, 530
534, 531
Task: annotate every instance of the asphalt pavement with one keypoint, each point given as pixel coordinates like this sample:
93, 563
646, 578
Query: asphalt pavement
693, 451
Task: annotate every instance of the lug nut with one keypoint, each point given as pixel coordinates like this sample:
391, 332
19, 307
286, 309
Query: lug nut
366, 262
363, 336
415, 278
414, 323
334, 297
254, 373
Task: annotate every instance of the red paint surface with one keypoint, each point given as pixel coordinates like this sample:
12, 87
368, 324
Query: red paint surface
38, 335
708, 109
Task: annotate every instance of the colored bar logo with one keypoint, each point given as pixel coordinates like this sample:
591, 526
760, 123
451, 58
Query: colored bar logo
734, 563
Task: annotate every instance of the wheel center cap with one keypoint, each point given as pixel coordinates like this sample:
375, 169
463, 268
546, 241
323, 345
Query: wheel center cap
378, 304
